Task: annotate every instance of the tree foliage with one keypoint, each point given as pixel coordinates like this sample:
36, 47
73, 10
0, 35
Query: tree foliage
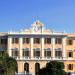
8, 64
53, 68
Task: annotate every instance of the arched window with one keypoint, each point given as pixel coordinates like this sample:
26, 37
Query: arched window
26, 67
37, 68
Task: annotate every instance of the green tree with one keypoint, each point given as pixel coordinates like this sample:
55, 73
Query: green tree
8, 64
53, 68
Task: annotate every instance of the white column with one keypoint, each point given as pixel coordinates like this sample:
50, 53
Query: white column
53, 48
9, 46
63, 47
31, 42
20, 41
42, 47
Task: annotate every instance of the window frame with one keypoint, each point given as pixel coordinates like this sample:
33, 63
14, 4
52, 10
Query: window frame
69, 42
15, 40
47, 41
58, 40
70, 54
26, 40
37, 40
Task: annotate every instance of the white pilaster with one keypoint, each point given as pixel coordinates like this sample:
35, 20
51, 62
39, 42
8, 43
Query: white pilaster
63, 47
20, 41
53, 48
31, 42
9, 46
42, 47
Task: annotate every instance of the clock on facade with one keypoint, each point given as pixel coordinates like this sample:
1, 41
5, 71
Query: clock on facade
37, 28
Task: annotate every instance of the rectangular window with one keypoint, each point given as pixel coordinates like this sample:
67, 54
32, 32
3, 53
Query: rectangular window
58, 54
47, 53
14, 53
70, 67
3, 41
15, 40
47, 41
69, 42
36, 40
25, 53
58, 41
70, 54
26, 40
36, 53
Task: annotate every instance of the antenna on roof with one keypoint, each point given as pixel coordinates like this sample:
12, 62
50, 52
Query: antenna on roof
37, 18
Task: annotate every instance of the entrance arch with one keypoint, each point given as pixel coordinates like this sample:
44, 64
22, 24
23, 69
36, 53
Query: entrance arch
26, 67
37, 68
46, 64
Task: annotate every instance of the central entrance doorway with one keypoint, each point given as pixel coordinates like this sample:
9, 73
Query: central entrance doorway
37, 68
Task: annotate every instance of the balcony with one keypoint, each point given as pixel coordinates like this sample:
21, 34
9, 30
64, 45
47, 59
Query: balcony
37, 58
58, 58
25, 58
47, 58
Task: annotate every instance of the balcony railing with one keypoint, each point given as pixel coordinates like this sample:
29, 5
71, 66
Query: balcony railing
25, 58
37, 57
47, 58
42, 58
58, 58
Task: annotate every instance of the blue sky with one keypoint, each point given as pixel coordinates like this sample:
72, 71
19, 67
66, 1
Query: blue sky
58, 15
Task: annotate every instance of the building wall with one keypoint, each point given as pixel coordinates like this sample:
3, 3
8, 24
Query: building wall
38, 31
42, 61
